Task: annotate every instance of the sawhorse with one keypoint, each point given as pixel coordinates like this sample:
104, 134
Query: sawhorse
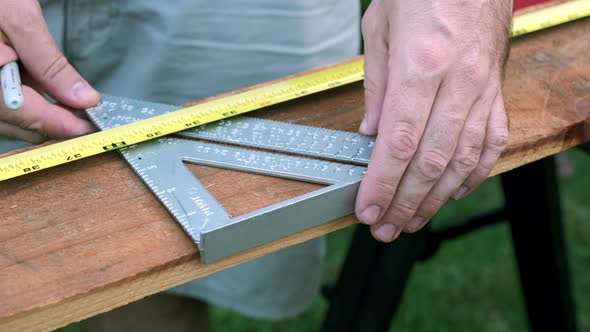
370, 287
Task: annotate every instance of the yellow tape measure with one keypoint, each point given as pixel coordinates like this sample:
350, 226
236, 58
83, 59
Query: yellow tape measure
240, 103
550, 16
161, 125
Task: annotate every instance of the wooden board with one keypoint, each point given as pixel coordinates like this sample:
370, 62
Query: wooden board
86, 237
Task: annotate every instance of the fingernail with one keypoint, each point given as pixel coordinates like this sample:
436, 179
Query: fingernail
363, 126
415, 223
385, 232
83, 91
460, 193
370, 215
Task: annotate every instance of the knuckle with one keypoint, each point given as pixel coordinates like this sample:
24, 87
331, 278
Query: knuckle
370, 26
479, 174
466, 159
38, 127
402, 142
430, 56
498, 139
374, 31
371, 87
482, 172
403, 210
431, 205
28, 18
34, 125
384, 186
431, 165
54, 68
473, 72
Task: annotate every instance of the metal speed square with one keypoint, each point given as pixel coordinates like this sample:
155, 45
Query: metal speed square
340, 164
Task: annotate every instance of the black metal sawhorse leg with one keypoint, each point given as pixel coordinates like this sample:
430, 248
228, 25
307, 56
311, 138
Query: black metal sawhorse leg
374, 275
533, 207
371, 282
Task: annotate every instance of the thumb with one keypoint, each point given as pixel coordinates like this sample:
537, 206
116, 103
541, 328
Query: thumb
43, 60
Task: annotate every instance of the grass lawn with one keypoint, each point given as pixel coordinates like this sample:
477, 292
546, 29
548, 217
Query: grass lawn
471, 284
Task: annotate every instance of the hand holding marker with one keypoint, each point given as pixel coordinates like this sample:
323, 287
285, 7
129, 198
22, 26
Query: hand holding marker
12, 91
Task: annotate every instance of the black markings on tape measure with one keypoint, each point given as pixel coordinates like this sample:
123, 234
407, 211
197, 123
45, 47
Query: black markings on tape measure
114, 146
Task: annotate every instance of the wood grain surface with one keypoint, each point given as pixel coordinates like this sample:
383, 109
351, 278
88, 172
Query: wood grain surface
86, 237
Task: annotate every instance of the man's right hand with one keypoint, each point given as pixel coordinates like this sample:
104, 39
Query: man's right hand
24, 36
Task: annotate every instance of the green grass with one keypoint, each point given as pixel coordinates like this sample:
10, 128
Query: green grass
471, 284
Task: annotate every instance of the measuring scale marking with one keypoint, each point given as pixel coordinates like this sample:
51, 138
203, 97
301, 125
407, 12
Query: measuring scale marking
160, 164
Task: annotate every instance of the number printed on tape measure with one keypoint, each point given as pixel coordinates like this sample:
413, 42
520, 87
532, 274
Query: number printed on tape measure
32, 168
76, 156
114, 146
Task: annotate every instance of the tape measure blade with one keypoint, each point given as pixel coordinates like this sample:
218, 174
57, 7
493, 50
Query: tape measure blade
550, 16
182, 119
274, 92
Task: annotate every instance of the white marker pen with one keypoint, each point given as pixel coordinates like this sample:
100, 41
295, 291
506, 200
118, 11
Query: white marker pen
12, 90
